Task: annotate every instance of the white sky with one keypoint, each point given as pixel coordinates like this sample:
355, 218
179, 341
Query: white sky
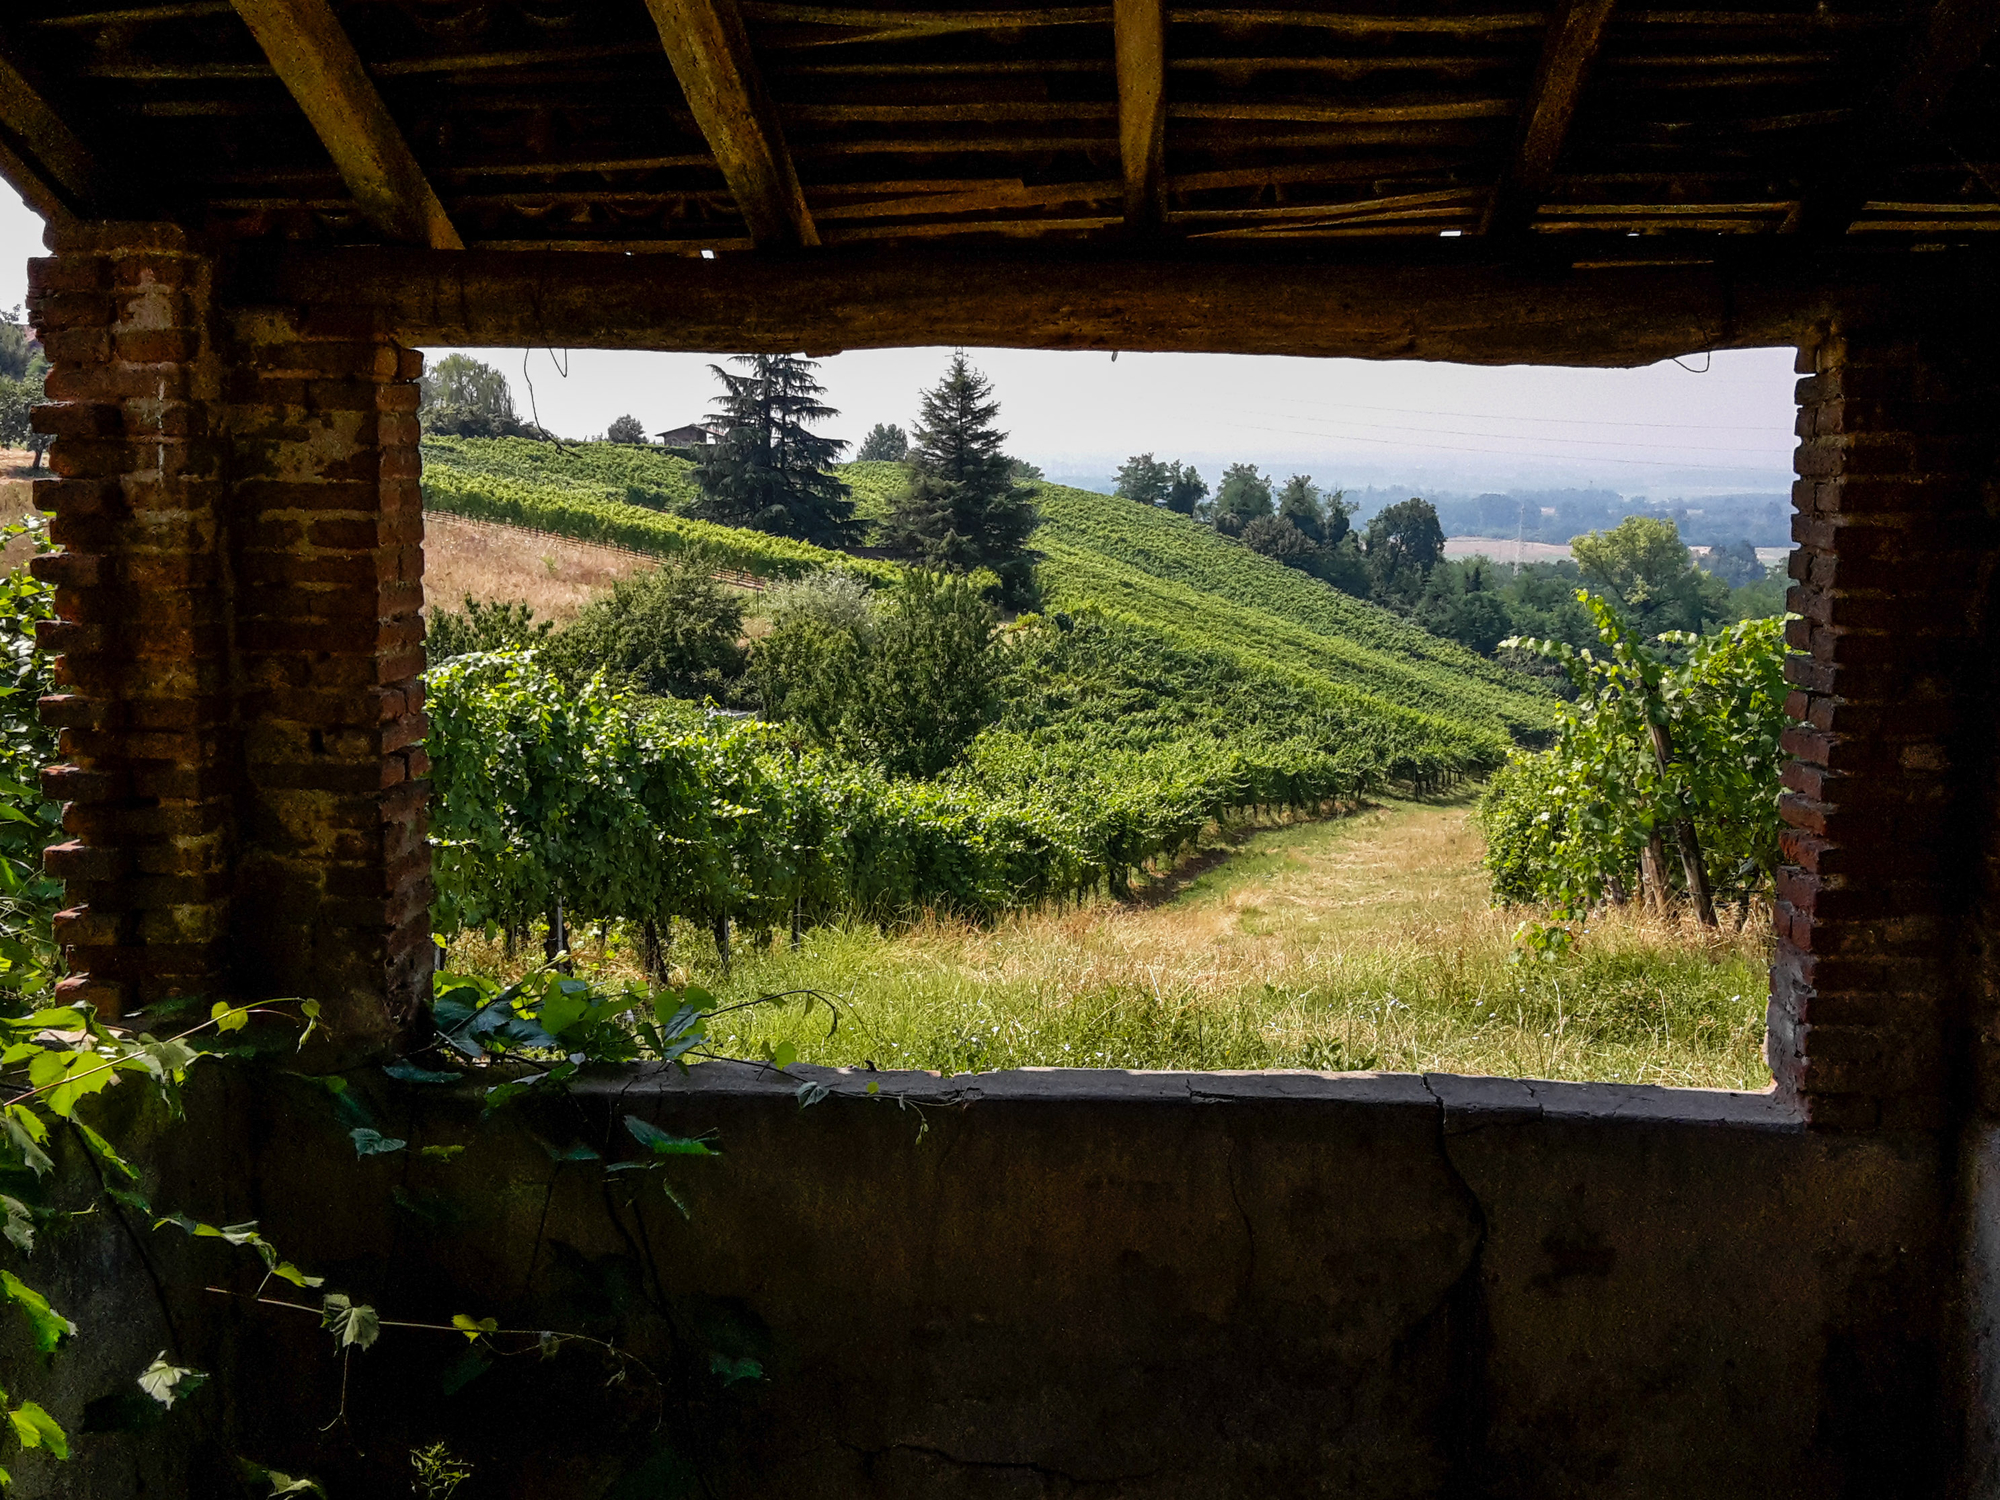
1700, 426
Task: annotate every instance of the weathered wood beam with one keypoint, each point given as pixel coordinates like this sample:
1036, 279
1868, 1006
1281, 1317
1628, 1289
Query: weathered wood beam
710, 51
53, 171
318, 64
1948, 44
1139, 31
1575, 34
1447, 300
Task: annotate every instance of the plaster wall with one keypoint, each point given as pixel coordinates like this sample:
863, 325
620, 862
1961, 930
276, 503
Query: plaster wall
1057, 1283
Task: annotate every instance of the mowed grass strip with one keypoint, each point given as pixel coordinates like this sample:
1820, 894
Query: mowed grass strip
1355, 944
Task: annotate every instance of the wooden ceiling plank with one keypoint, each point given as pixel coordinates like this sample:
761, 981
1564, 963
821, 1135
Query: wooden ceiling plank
317, 63
1947, 45
1139, 30
1575, 34
709, 48
51, 168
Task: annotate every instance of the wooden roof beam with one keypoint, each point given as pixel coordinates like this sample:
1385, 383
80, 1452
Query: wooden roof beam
709, 48
1948, 45
1454, 300
318, 64
1576, 32
1139, 30
53, 171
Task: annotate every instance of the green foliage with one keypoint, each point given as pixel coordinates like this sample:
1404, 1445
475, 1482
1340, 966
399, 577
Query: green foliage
29, 823
463, 397
626, 429
1642, 566
768, 471
1186, 490
435, 1474
905, 685
670, 631
1564, 825
491, 626
23, 374
962, 508
1243, 497
1763, 599
1144, 480
885, 443
17, 350
1403, 543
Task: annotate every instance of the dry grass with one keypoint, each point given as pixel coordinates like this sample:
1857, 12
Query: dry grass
558, 577
17, 500
1361, 943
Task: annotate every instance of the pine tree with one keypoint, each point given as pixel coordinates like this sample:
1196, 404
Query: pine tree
767, 472
962, 509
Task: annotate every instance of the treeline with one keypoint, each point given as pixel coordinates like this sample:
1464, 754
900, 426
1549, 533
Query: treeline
1396, 559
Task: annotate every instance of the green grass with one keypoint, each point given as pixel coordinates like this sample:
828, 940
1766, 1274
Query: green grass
1363, 943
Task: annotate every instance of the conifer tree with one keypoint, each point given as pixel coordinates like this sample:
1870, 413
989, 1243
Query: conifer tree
767, 471
963, 509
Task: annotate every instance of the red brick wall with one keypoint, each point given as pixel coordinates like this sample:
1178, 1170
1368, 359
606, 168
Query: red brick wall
1883, 798
240, 641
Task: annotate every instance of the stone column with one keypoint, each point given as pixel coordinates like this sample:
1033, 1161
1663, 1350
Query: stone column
1884, 794
239, 639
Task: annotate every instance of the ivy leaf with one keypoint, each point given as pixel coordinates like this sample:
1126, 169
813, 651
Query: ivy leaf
26, 1134
229, 1017
167, 1383
660, 1143
50, 1327
281, 1484
369, 1142
104, 1151
354, 1324
35, 1428
473, 1329
20, 1226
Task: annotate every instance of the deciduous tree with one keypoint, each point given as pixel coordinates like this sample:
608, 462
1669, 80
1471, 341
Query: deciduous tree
1144, 480
886, 443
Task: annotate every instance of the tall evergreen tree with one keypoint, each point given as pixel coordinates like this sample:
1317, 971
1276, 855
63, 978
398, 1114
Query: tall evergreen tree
767, 471
963, 509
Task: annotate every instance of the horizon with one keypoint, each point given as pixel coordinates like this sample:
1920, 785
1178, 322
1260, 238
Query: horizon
1680, 430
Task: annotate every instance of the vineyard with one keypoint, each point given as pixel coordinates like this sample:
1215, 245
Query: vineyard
1173, 682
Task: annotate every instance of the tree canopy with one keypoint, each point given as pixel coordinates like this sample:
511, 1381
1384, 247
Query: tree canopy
963, 508
885, 443
768, 471
462, 397
1144, 479
625, 429
1186, 489
670, 631
1243, 496
1643, 567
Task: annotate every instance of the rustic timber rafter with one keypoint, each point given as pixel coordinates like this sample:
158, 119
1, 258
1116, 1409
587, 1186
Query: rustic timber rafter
710, 51
1140, 31
53, 171
1575, 33
1953, 35
318, 64
1445, 300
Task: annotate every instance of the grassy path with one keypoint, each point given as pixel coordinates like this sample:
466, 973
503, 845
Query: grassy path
1364, 942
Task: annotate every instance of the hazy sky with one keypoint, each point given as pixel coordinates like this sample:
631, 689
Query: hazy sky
1700, 426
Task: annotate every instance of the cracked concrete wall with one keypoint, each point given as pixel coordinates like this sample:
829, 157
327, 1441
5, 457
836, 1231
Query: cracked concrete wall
1067, 1283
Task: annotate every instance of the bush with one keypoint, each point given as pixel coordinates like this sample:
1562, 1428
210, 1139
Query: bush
483, 627
670, 632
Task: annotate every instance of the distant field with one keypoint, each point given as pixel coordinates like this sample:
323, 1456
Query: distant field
491, 562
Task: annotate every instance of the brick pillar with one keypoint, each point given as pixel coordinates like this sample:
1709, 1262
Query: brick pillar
1883, 795
237, 597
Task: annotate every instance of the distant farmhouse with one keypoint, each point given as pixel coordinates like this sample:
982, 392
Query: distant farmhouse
694, 435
